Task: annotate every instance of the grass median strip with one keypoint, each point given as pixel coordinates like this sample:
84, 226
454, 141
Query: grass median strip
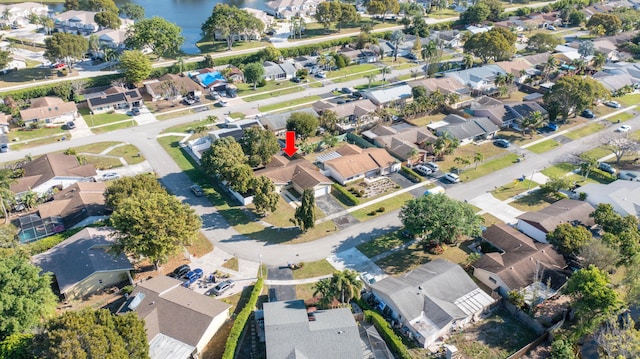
543, 146
584, 131
292, 103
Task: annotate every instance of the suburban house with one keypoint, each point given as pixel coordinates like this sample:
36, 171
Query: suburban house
537, 224
52, 170
449, 38
386, 96
277, 122
404, 143
18, 14
519, 263
537, 59
49, 110
179, 322
506, 115
350, 115
480, 80
83, 265
284, 9
350, 163
278, 72
294, 331
234, 74
113, 39
299, 174
624, 196
171, 87
76, 21
233, 129
614, 80
81, 204
113, 98
466, 130
517, 67
432, 300
446, 85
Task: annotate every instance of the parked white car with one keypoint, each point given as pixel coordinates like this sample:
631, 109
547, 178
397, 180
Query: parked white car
452, 177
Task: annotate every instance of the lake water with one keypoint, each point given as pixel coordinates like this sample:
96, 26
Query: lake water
188, 14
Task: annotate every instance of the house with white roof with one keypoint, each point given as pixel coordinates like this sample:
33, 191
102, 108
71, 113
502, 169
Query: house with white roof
18, 14
284, 9
386, 96
623, 196
432, 300
478, 79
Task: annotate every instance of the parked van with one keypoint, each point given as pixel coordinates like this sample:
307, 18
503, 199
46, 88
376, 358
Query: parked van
434, 190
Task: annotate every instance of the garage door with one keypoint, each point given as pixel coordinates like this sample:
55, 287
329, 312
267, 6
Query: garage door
321, 191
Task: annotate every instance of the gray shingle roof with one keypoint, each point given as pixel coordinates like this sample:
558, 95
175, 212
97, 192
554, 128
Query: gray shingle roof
563, 211
290, 334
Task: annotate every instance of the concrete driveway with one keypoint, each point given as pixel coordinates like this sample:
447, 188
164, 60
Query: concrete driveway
329, 205
354, 259
403, 182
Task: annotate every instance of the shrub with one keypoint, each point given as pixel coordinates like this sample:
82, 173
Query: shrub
390, 337
47, 243
583, 196
127, 289
241, 320
381, 209
372, 213
344, 196
262, 83
410, 174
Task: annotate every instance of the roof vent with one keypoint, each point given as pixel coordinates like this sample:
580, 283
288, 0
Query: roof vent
340, 331
419, 287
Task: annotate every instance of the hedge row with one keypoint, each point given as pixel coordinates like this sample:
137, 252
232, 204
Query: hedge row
241, 320
410, 174
347, 197
390, 337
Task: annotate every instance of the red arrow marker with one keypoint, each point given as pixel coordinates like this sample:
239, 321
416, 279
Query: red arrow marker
290, 144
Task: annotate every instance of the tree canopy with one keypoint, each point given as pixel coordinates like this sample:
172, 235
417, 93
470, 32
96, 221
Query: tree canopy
65, 47
305, 124
265, 197
25, 295
132, 11
497, 44
569, 238
135, 66
153, 225
126, 187
609, 22
5, 58
95, 334
440, 219
543, 42
259, 145
156, 33
253, 73
226, 161
230, 23
482, 10
108, 19
327, 13
572, 94
590, 290
342, 286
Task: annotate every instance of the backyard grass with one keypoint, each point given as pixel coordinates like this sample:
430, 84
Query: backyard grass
414, 256
115, 126
383, 244
496, 337
426, 120
94, 147
313, 269
629, 100
292, 103
30, 75
390, 204
584, 131
534, 201
130, 153
231, 264
512, 189
103, 118
103, 163
544, 146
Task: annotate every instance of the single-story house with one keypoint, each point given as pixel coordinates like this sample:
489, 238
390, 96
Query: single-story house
210, 79
113, 39
18, 14
179, 322
49, 110
161, 88
82, 203
478, 79
517, 67
446, 85
624, 196
350, 114
83, 265
298, 174
508, 114
74, 21
467, 130
235, 75
613, 79
519, 262
537, 59
52, 170
278, 72
537, 224
277, 122
388, 95
351, 53
284, 9
294, 331
113, 98
403, 143
350, 163
432, 300
233, 129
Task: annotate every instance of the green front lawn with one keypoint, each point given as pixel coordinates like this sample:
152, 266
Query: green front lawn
313, 269
103, 118
130, 153
383, 244
221, 46
268, 95
543, 146
488, 167
102, 163
513, 189
629, 99
558, 170
351, 70
292, 103
27, 134
584, 131
115, 126
95, 147
390, 204
597, 152
414, 256
534, 201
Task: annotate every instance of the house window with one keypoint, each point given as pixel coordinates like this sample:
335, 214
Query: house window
492, 280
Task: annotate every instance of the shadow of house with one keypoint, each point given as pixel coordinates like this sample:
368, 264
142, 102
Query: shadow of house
83, 264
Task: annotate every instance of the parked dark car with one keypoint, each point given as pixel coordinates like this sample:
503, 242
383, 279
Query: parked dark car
193, 276
197, 190
586, 113
135, 111
295, 79
181, 271
346, 90
501, 142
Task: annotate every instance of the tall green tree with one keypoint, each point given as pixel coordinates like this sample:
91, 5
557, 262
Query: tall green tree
475, 14
224, 154
153, 225
17, 346
591, 293
440, 219
25, 295
132, 11
99, 5
600, 254
6, 195
348, 15
569, 238
157, 34
65, 47
135, 66
496, 44
126, 187
609, 22
71, 5
543, 42
96, 334
230, 23
305, 216
258, 145
326, 290
265, 197
327, 13
305, 124
108, 20
572, 94
253, 73
8, 236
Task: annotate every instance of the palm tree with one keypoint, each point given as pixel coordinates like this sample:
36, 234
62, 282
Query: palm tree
326, 290
428, 53
467, 61
180, 63
47, 23
533, 120
599, 59
550, 66
94, 44
323, 61
347, 285
588, 163
397, 37
6, 195
477, 158
500, 80
110, 55
371, 78
385, 70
